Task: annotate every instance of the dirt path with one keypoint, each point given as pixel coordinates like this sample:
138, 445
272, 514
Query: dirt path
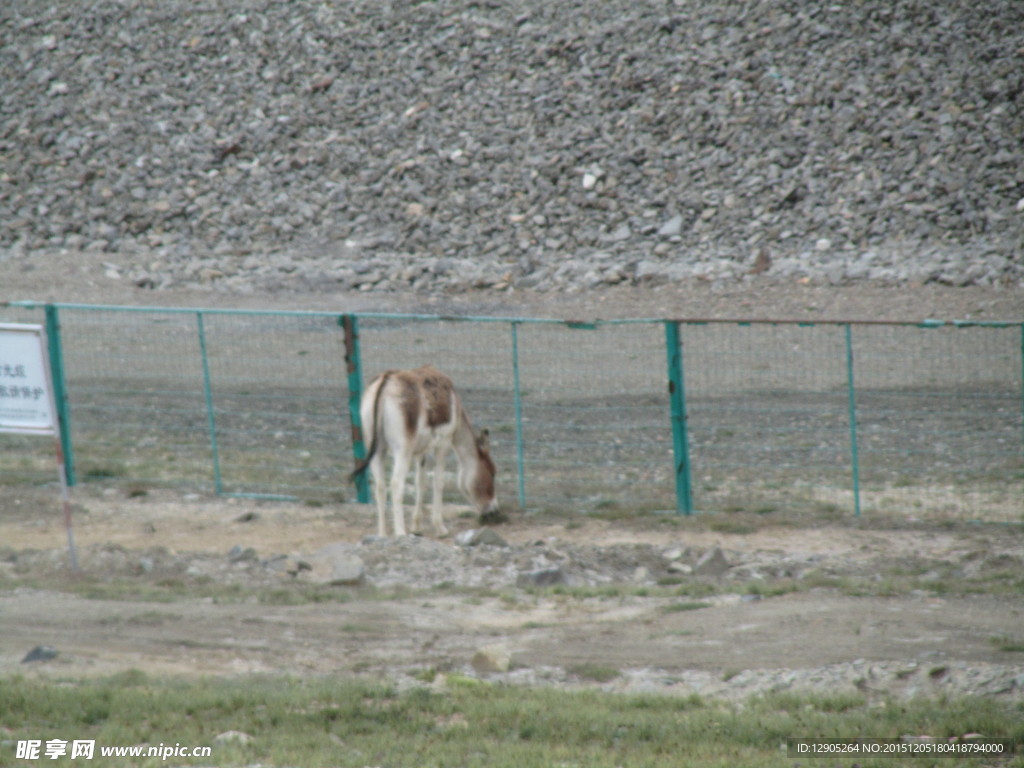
84, 277
916, 640
614, 621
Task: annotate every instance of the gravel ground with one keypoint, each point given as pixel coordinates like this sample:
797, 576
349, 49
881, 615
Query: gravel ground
253, 146
187, 585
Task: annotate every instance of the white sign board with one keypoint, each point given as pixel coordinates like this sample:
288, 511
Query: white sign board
26, 396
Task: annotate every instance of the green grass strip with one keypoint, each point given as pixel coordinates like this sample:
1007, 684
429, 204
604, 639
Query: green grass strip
331, 721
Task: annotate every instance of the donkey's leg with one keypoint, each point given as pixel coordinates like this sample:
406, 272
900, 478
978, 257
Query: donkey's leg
380, 494
417, 510
436, 514
398, 474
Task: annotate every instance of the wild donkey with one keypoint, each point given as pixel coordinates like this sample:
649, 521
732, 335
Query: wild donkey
411, 413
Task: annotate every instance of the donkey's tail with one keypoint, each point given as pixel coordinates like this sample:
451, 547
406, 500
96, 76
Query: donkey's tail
375, 430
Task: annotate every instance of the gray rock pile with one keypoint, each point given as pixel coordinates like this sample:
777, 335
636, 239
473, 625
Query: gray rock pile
450, 145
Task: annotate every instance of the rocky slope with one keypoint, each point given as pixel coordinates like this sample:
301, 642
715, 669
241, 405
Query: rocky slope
253, 144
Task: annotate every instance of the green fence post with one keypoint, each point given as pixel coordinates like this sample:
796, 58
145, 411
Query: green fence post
353, 364
851, 402
211, 419
56, 349
677, 400
519, 416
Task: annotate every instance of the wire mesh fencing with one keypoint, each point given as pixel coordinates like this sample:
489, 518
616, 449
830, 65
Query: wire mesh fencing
239, 404
563, 430
769, 417
939, 421
914, 420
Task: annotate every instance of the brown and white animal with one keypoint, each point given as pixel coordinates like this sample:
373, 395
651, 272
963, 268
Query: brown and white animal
413, 413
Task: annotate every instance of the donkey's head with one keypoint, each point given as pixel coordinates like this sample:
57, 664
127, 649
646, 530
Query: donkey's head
478, 482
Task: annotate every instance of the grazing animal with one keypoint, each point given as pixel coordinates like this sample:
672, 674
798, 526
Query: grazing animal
413, 413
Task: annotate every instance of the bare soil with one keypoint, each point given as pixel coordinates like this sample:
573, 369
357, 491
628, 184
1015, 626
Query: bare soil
175, 597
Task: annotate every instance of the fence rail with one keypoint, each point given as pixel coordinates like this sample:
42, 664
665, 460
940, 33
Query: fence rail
919, 419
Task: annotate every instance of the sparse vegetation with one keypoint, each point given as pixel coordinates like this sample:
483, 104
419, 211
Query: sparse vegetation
345, 722
599, 673
687, 606
1008, 644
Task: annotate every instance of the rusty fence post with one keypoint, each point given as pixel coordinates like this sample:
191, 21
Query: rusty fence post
353, 365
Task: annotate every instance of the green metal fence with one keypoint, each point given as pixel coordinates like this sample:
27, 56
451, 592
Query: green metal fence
920, 420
